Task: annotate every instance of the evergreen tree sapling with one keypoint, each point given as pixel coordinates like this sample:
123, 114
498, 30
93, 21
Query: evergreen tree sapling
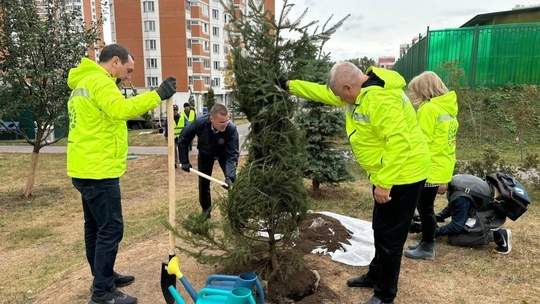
322, 123
268, 200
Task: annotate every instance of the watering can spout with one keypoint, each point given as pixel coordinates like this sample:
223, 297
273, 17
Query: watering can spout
174, 268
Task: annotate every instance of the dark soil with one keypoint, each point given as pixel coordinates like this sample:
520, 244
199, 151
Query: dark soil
304, 286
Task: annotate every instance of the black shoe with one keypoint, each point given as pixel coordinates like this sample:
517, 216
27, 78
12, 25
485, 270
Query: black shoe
115, 296
361, 281
122, 280
504, 245
119, 281
375, 300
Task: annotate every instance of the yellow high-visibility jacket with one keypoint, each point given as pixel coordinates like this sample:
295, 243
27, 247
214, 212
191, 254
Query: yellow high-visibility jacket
438, 120
382, 128
97, 142
182, 122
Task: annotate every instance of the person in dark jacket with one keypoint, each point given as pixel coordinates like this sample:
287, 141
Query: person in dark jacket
217, 138
472, 221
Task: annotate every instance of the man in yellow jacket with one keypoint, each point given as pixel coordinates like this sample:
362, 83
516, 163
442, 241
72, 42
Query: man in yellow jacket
387, 142
96, 158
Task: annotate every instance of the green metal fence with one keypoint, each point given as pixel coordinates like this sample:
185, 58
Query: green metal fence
489, 56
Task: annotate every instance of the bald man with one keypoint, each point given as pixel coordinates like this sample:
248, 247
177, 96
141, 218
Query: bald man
387, 142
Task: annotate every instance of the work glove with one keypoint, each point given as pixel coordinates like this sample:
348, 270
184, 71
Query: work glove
186, 167
282, 82
167, 88
229, 183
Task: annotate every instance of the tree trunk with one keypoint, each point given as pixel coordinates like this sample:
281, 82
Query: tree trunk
31, 175
315, 184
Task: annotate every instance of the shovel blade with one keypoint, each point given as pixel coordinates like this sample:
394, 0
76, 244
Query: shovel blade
166, 281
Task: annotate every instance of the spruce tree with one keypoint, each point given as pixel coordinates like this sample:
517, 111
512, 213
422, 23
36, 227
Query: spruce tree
210, 98
322, 124
268, 199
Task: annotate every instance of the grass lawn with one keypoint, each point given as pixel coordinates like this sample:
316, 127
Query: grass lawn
42, 239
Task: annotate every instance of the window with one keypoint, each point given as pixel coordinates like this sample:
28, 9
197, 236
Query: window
216, 82
225, 49
190, 80
217, 65
188, 25
205, 27
190, 62
205, 9
148, 6
150, 44
215, 31
151, 82
225, 17
188, 5
151, 63
206, 46
215, 14
206, 81
189, 44
215, 47
206, 63
149, 26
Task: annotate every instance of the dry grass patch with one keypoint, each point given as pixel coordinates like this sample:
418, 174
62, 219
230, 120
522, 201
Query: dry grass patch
42, 250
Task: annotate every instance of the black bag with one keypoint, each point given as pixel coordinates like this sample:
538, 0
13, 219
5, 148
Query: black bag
513, 199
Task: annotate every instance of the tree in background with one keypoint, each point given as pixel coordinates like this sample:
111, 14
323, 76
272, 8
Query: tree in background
268, 200
322, 123
38, 49
363, 63
210, 98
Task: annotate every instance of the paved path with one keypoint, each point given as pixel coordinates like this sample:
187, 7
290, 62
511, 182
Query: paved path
243, 130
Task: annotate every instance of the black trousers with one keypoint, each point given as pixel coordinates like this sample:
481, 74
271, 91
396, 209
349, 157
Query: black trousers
391, 222
206, 166
427, 214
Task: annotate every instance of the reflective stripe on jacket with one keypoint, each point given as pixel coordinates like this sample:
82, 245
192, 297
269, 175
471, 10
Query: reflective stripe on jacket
97, 141
382, 129
438, 120
181, 123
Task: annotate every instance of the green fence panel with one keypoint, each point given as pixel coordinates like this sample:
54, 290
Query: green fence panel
490, 56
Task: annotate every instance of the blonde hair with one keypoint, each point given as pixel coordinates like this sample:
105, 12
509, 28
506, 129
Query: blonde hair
426, 86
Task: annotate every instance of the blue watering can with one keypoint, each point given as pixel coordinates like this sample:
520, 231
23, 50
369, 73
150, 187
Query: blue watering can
229, 282
240, 295
219, 288
176, 296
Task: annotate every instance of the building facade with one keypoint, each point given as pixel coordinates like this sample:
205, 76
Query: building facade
187, 39
91, 11
386, 62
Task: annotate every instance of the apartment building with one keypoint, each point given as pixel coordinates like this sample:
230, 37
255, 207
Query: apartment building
187, 39
91, 11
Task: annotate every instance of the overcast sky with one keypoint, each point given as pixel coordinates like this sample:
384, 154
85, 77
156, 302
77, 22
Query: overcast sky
377, 27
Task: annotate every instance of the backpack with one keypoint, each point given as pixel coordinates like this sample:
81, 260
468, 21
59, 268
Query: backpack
513, 199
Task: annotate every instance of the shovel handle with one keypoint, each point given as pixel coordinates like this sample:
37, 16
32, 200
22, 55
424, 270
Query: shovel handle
208, 177
172, 180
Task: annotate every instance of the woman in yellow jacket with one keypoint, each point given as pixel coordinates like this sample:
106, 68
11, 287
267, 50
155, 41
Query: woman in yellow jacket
437, 117
387, 142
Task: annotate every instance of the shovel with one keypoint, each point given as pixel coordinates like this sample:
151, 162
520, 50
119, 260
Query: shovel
166, 278
208, 177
